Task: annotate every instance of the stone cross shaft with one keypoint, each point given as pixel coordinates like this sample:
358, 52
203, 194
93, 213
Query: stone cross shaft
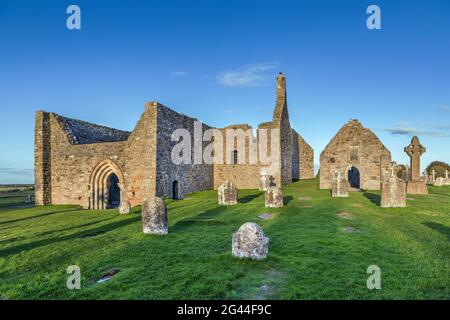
414, 150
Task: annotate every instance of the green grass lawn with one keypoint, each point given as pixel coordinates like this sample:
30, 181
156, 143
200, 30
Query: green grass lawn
311, 255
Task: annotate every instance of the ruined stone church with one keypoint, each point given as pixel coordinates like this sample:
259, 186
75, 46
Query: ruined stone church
98, 167
359, 153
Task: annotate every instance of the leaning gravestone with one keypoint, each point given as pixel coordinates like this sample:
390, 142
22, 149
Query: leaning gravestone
265, 182
227, 194
393, 189
154, 216
250, 242
339, 184
274, 197
124, 207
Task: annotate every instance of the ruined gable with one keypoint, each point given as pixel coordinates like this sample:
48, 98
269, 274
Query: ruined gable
357, 149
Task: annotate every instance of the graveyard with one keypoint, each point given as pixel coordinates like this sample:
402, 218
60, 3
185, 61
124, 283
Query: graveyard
319, 247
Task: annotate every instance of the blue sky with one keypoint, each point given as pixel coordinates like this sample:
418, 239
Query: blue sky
217, 60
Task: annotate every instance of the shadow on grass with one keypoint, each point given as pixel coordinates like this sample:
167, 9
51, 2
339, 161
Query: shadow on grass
444, 230
374, 198
287, 199
249, 198
207, 217
78, 235
38, 216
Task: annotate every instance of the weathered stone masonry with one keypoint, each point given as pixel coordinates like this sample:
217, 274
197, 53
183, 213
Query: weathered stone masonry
77, 162
354, 149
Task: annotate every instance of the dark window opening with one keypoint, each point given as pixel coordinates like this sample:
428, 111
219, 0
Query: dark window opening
175, 190
235, 157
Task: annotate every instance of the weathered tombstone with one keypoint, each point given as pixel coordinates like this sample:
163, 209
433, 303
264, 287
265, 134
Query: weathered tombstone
124, 207
434, 176
227, 193
250, 242
265, 182
439, 182
339, 184
414, 150
154, 216
273, 197
393, 189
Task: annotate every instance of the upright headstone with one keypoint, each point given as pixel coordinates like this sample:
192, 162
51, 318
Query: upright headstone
227, 194
154, 216
124, 207
393, 189
434, 176
339, 184
265, 182
414, 150
273, 197
29, 199
250, 242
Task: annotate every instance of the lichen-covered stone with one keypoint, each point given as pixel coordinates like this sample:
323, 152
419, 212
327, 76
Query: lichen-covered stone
393, 189
124, 207
250, 242
274, 197
265, 182
227, 194
154, 216
339, 184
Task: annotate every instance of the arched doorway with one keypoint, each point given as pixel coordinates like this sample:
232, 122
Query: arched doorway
175, 190
113, 191
105, 186
354, 178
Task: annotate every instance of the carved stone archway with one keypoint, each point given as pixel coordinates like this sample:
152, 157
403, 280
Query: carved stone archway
98, 184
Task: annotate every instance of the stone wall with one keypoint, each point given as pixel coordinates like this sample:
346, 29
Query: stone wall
306, 159
74, 159
354, 146
42, 158
244, 174
295, 156
190, 177
69, 167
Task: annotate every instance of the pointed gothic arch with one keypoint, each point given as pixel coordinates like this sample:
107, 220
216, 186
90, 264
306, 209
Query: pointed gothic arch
99, 184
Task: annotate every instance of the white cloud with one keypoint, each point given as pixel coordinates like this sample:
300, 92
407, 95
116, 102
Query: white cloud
249, 76
180, 73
